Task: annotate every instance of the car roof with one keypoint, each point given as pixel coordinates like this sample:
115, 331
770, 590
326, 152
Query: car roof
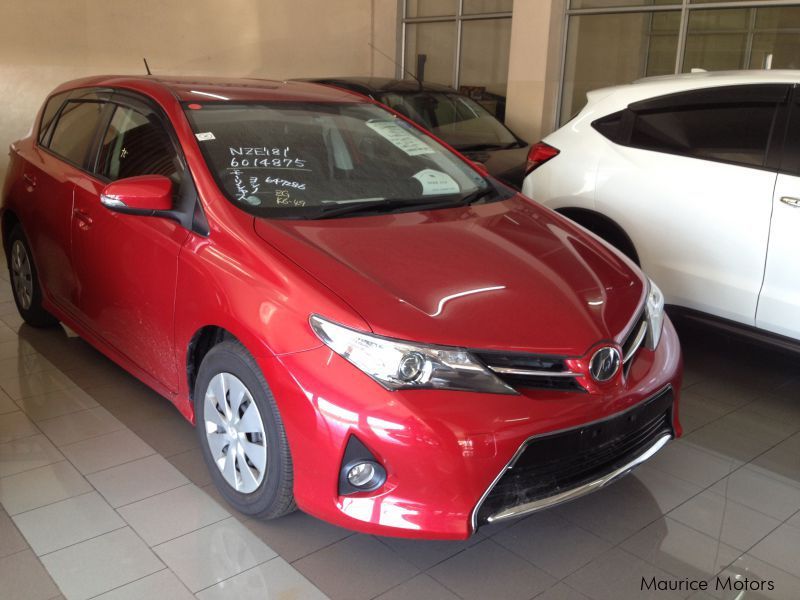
650, 87
205, 89
377, 85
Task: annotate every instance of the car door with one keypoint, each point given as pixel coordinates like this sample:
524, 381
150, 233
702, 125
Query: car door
68, 130
126, 265
691, 182
779, 302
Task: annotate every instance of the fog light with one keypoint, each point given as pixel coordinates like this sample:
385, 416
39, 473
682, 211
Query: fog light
360, 471
361, 474
410, 366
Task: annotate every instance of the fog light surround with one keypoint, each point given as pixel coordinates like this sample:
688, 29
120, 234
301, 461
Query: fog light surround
360, 470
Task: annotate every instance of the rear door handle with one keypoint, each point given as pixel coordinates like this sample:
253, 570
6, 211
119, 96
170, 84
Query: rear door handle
30, 180
793, 202
83, 217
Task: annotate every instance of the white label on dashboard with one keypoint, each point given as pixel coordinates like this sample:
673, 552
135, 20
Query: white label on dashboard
408, 143
435, 182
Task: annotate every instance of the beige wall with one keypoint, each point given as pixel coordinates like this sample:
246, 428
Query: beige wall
534, 67
46, 42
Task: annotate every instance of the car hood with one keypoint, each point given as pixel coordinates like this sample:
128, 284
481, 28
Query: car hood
507, 275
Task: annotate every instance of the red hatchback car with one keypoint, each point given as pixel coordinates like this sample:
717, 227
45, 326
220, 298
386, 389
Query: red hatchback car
360, 322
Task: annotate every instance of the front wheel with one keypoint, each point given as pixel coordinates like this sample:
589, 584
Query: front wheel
241, 433
25, 281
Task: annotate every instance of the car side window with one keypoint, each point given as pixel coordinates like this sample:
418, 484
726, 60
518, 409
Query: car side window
737, 133
49, 113
731, 124
135, 144
75, 130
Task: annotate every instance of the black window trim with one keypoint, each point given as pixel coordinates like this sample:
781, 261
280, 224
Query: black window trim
189, 212
790, 157
761, 93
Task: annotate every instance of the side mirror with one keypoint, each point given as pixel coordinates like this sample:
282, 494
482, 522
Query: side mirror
142, 195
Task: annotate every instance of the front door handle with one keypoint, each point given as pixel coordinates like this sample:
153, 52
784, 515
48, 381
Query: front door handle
85, 221
793, 202
30, 180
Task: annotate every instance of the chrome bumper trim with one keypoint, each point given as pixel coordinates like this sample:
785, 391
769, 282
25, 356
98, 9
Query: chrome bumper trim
532, 373
584, 489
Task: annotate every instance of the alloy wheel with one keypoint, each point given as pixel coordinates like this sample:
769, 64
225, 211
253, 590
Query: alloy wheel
21, 274
235, 432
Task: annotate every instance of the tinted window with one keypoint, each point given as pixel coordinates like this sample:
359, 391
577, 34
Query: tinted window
75, 130
136, 145
736, 133
457, 119
610, 126
49, 113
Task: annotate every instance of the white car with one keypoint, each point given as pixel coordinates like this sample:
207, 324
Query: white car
697, 178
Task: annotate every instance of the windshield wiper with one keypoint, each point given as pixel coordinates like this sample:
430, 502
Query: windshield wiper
389, 204
479, 194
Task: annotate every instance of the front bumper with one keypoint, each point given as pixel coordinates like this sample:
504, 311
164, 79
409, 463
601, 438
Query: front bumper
444, 451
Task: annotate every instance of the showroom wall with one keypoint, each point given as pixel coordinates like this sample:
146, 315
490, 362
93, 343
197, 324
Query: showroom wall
45, 42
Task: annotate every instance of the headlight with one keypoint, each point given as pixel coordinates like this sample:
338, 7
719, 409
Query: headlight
655, 315
397, 364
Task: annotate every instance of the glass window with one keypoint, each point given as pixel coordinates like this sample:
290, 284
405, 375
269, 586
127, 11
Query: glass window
135, 145
75, 130
610, 49
301, 160
484, 62
460, 121
716, 39
430, 51
49, 113
478, 7
575, 4
726, 132
431, 8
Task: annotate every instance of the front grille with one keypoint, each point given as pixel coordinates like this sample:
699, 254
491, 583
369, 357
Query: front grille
535, 371
551, 464
633, 342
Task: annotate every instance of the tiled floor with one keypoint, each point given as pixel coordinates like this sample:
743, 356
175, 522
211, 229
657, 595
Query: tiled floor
104, 494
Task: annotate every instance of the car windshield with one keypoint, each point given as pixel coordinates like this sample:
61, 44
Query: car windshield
312, 160
457, 119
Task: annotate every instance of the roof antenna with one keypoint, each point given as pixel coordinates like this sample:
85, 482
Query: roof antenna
414, 77
146, 66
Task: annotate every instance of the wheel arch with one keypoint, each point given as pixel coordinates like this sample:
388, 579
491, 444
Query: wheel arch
203, 340
603, 226
10, 220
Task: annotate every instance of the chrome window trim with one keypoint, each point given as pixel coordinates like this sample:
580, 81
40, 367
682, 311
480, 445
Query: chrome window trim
521, 449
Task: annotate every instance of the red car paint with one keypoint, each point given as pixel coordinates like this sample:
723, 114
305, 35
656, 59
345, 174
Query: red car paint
507, 275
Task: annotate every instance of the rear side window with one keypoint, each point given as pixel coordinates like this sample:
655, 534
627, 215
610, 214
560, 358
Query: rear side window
726, 124
49, 113
727, 133
136, 145
75, 130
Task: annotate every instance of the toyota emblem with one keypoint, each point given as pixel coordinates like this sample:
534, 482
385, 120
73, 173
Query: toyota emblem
604, 364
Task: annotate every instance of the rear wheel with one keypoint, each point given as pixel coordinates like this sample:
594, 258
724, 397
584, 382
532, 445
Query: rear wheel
25, 281
241, 433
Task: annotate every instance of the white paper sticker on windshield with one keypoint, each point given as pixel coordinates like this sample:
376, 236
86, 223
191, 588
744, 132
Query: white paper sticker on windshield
205, 136
401, 138
435, 182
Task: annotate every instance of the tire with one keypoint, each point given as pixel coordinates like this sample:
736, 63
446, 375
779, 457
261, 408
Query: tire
260, 484
24, 280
